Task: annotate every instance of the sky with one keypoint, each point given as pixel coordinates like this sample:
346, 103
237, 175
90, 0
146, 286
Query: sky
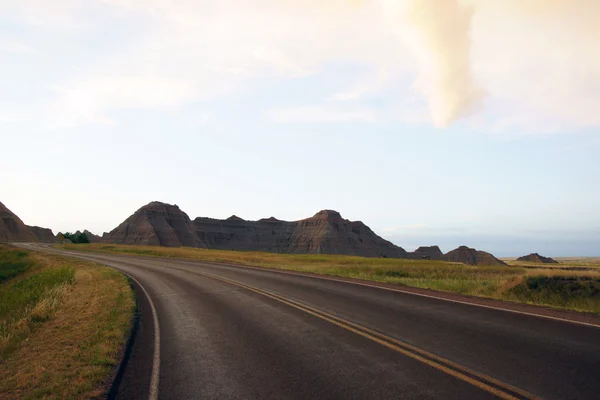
444, 122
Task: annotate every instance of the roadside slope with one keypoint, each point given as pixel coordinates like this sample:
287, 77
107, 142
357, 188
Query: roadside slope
63, 326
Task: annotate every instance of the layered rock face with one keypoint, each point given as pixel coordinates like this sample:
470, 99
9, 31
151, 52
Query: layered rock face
234, 233
536, 258
43, 234
328, 233
324, 233
12, 229
467, 255
156, 224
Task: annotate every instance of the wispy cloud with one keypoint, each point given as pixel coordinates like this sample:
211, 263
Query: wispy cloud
7, 117
86, 101
322, 114
12, 46
367, 86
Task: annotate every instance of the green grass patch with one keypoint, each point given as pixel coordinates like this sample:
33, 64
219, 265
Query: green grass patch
29, 297
26, 293
13, 263
573, 292
62, 324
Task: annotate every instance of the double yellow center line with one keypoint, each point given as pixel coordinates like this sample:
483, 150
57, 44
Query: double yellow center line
497, 388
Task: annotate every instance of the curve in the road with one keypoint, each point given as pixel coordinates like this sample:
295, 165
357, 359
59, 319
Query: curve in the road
232, 332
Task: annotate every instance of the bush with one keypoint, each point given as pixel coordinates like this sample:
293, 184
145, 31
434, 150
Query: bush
77, 237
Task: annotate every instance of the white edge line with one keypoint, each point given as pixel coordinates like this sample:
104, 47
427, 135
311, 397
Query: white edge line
154, 379
412, 293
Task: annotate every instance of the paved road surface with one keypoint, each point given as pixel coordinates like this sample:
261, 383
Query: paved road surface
229, 332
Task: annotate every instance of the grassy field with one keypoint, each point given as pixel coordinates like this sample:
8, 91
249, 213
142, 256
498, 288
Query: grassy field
575, 290
566, 263
62, 325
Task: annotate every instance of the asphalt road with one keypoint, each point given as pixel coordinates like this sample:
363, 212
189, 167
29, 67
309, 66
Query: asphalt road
227, 332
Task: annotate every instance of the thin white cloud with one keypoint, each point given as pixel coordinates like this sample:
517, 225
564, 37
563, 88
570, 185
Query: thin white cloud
12, 46
55, 14
320, 115
86, 101
208, 120
367, 86
7, 117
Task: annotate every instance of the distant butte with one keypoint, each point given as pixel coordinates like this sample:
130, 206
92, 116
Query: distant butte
467, 255
536, 258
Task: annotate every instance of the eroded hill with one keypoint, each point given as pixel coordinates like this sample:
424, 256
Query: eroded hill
13, 229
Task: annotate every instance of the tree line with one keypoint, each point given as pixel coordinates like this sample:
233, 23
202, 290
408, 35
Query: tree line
77, 237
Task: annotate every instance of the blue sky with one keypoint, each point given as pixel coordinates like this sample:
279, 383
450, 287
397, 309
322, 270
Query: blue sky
286, 108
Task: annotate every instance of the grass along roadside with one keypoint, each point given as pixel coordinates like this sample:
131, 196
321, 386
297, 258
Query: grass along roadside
12, 263
62, 325
574, 290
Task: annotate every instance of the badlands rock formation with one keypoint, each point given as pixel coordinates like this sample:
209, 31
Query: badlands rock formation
467, 255
536, 258
12, 229
161, 224
326, 232
156, 224
428, 253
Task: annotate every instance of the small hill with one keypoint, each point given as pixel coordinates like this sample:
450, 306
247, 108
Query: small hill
536, 258
427, 253
470, 256
156, 224
12, 229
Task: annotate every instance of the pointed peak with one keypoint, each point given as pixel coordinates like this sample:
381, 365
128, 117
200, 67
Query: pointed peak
235, 218
328, 214
270, 219
157, 204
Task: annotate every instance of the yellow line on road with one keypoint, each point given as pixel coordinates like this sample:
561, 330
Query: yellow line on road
481, 381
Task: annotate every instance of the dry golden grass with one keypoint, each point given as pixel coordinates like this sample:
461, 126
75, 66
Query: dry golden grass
81, 327
575, 290
564, 263
440, 275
